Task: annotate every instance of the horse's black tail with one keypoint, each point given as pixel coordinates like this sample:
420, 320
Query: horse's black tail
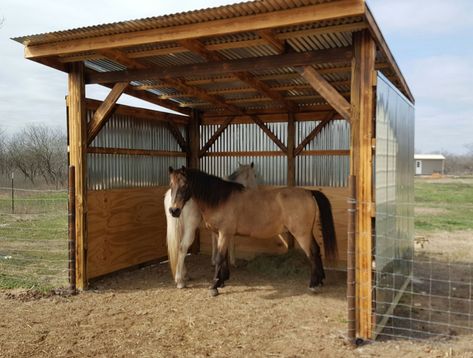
327, 225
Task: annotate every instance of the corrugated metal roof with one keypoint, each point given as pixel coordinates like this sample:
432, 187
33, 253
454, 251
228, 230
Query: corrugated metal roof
313, 36
182, 18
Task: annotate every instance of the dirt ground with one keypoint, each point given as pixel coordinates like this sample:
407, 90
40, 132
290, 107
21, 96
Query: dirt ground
141, 313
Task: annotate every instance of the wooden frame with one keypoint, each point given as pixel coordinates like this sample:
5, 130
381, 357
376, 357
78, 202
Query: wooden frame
275, 80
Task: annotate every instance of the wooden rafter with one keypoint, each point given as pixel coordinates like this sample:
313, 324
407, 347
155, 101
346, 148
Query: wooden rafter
127, 151
326, 90
202, 94
216, 135
198, 47
103, 113
152, 98
295, 86
237, 43
313, 133
269, 36
306, 14
335, 55
141, 113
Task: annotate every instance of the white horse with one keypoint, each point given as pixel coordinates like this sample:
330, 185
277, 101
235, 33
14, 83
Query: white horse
181, 230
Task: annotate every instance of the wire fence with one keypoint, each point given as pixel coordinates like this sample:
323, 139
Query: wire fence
424, 290
33, 238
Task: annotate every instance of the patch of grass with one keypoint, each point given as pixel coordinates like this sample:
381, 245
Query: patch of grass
33, 241
454, 198
293, 263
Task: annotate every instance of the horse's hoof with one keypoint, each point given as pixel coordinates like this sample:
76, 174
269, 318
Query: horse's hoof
181, 285
213, 292
315, 289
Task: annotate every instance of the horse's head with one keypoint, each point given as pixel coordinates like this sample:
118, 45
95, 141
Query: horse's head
245, 175
180, 190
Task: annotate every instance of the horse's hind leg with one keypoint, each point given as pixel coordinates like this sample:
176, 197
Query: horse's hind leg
312, 250
222, 271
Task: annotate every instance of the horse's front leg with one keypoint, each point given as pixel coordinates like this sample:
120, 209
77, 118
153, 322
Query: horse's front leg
222, 271
181, 271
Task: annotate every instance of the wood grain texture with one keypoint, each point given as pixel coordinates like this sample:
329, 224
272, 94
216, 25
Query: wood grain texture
327, 91
77, 128
320, 12
361, 166
126, 227
104, 111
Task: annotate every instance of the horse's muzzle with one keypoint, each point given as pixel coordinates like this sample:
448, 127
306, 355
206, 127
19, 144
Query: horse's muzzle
175, 212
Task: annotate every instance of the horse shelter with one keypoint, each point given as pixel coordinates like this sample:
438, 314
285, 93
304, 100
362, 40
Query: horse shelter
307, 90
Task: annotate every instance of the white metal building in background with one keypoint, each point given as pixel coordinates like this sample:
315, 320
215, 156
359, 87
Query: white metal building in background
427, 164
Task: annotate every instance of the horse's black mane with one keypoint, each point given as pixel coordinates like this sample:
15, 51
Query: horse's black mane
210, 189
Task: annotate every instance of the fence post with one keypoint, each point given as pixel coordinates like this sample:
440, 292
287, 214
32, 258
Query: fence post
351, 261
12, 193
71, 215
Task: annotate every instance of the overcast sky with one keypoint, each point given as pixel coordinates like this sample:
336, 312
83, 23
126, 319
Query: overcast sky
431, 40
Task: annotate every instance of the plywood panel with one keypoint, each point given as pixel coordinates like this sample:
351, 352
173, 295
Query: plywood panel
248, 248
126, 227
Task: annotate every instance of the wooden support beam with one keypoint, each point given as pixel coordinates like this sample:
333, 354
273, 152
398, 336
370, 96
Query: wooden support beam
77, 128
194, 140
236, 43
143, 113
216, 135
291, 156
103, 113
269, 36
313, 134
202, 94
335, 55
144, 152
180, 83
269, 133
176, 133
326, 90
305, 14
361, 166
193, 160
199, 48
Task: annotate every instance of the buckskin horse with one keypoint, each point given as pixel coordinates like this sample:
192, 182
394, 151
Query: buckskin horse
181, 231
231, 209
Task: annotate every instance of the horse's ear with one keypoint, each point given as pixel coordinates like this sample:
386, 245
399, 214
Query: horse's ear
171, 170
252, 164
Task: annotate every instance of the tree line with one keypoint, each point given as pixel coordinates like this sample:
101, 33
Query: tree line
37, 153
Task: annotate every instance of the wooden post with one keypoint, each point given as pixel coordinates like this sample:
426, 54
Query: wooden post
351, 264
71, 223
291, 164
77, 156
361, 166
193, 160
291, 137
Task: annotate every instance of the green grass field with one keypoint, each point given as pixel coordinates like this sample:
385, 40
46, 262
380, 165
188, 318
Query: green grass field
33, 240
443, 204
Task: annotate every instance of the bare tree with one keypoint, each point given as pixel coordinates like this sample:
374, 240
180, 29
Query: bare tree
40, 151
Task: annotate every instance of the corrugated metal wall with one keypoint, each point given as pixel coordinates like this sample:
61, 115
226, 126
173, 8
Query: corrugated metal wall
324, 170
107, 171
242, 138
394, 185
272, 170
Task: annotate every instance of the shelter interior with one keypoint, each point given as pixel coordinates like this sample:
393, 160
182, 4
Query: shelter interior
303, 65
